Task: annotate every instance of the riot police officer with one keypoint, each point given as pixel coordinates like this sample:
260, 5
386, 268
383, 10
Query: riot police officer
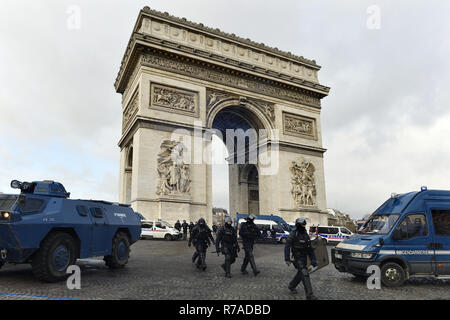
300, 244
202, 238
226, 242
249, 232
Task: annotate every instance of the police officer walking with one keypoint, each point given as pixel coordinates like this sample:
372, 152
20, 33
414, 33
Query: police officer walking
249, 232
202, 238
226, 242
300, 244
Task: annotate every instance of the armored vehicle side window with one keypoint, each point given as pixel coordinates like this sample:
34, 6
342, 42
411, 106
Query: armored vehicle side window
97, 212
29, 205
414, 225
82, 211
441, 222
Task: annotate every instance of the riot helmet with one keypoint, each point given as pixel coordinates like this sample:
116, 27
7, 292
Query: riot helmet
300, 223
251, 218
201, 222
228, 221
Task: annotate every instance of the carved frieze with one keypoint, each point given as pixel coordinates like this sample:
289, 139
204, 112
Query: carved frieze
174, 173
131, 110
303, 182
158, 61
174, 99
300, 126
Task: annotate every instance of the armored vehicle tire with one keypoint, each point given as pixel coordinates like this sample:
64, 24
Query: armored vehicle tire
120, 252
56, 254
392, 274
168, 237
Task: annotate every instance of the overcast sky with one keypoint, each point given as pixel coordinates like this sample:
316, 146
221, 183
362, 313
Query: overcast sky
386, 122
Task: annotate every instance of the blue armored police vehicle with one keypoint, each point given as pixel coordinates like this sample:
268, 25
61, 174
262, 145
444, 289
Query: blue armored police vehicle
407, 236
42, 226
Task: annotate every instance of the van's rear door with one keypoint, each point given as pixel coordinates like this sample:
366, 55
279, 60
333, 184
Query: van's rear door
441, 240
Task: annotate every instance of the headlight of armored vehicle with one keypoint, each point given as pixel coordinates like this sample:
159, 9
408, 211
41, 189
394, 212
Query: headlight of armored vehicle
5, 215
361, 255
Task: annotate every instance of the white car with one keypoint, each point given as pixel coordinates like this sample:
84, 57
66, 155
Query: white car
158, 229
331, 233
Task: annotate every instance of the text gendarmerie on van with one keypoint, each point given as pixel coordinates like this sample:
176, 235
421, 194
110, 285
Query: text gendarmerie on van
230, 309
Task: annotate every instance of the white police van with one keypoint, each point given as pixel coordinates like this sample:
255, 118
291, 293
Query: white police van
158, 229
331, 233
266, 227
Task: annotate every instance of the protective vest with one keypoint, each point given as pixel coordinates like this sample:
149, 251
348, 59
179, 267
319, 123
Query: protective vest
301, 244
228, 235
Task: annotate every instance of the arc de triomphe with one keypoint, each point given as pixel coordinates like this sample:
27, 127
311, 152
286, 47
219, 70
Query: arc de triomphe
180, 76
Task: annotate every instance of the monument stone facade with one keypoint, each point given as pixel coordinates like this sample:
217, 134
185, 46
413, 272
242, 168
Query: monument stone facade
179, 75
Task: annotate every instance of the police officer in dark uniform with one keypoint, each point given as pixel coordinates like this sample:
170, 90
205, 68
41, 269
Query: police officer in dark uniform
300, 244
226, 242
249, 232
201, 237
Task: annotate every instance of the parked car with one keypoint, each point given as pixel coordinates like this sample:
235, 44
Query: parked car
158, 229
331, 233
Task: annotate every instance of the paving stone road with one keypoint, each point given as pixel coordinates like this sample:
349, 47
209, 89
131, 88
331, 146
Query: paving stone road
163, 270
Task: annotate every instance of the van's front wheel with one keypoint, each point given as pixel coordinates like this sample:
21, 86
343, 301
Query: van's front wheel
168, 237
392, 274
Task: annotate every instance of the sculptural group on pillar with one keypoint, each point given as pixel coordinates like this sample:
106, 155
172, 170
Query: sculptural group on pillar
174, 173
303, 184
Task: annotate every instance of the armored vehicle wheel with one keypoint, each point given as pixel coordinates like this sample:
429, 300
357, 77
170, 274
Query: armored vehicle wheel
120, 251
57, 252
392, 274
167, 237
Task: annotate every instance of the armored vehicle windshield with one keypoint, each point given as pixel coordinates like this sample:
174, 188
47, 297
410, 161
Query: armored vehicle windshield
7, 202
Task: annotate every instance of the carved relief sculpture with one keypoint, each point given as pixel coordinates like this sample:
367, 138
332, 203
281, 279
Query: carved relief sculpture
174, 174
181, 101
303, 182
299, 126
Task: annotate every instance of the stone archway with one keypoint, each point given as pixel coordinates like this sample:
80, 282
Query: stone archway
177, 74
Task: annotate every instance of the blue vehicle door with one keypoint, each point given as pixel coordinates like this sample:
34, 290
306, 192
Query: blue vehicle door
441, 240
412, 243
100, 241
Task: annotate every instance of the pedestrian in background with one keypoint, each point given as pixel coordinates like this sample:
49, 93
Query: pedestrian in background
185, 229
191, 226
178, 225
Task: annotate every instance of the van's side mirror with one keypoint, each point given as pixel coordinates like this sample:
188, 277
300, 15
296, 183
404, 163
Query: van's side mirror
397, 235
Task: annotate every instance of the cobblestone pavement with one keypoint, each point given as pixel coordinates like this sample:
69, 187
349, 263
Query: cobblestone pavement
163, 270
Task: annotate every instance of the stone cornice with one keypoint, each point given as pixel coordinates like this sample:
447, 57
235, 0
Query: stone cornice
231, 37
244, 55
